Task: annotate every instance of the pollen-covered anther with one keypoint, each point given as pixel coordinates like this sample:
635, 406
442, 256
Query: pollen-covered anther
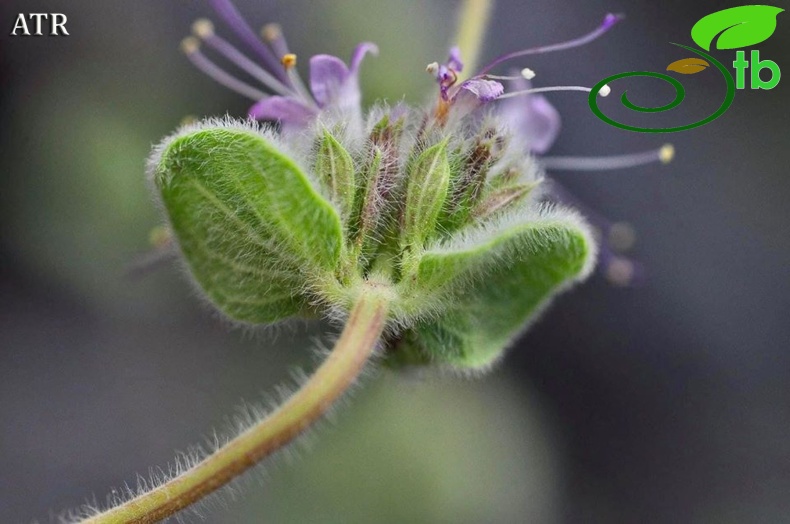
605, 90
271, 32
288, 61
666, 153
203, 28
527, 73
190, 45
432, 68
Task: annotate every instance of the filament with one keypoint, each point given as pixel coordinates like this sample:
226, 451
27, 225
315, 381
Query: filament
191, 47
609, 21
204, 30
664, 154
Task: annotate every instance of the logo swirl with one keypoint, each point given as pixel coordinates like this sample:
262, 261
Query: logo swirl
680, 94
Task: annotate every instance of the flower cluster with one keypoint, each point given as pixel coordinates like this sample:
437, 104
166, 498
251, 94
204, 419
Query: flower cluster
440, 205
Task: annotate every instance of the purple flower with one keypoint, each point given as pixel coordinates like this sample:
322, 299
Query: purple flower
513, 107
334, 86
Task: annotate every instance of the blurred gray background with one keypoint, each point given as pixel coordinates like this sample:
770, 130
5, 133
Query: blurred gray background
666, 402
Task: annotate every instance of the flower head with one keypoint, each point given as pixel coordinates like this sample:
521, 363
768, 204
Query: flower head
438, 204
334, 86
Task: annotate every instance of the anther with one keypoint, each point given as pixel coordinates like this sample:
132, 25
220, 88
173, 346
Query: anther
190, 45
203, 28
271, 32
527, 73
666, 153
288, 61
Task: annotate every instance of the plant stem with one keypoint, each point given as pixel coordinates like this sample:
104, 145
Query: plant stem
352, 350
472, 25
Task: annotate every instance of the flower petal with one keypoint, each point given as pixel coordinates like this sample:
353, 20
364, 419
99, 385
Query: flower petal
282, 109
532, 118
540, 124
359, 53
455, 62
328, 75
484, 90
472, 94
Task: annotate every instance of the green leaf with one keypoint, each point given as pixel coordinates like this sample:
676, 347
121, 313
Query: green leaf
742, 26
426, 193
252, 228
492, 289
335, 167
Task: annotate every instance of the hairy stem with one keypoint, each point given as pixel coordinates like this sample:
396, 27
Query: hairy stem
471, 31
353, 349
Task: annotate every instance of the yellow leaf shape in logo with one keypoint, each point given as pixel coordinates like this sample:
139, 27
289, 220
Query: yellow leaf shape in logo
688, 66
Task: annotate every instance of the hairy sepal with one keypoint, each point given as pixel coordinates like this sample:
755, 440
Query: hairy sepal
251, 226
426, 193
484, 290
335, 168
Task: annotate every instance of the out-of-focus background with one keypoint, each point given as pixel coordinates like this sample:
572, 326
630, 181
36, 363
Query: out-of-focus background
665, 402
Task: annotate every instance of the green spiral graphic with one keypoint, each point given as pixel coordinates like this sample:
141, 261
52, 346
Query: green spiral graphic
680, 94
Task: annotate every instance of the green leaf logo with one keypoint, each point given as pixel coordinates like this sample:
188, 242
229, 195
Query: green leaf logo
738, 27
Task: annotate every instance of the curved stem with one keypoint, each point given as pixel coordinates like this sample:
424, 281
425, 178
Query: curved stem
471, 31
352, 350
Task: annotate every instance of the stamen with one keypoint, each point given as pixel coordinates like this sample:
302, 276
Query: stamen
604, 163
204, 30
191, 47
432, 68
233, 18
288, 61
273, 35
526, 74
608, 22
602, 92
